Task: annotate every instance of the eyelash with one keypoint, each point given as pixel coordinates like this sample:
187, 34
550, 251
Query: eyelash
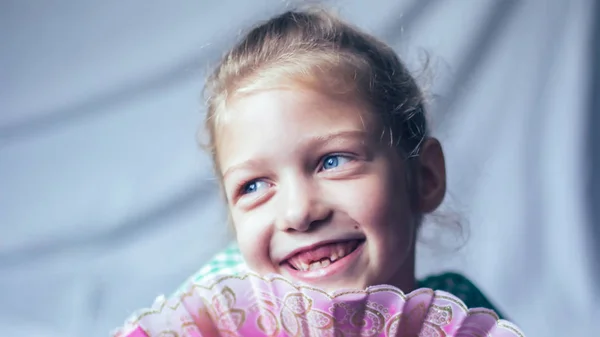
245, 184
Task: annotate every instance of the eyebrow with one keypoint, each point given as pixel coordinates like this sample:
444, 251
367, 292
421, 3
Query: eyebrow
240, 166
312, 140
330, 136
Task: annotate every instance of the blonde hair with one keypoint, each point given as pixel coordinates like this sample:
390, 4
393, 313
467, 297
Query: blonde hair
315, 48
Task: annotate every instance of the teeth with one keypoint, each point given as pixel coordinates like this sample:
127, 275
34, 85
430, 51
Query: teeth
337, 252
341, 252
334, 257
319, 264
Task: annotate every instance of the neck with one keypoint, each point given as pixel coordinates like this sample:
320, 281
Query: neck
405, 278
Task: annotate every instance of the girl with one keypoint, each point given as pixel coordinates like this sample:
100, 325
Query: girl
319, 137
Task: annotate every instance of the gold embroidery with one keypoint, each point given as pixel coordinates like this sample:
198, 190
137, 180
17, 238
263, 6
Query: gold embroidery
439, 315
422, 313
228, 318
267, 323
298, 318
372, 321
431, 330
393, 326
509, 326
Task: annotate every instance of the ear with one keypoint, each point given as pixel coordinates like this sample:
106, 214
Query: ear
432, 175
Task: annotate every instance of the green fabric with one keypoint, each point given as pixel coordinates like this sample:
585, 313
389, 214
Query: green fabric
460, 287
230, 261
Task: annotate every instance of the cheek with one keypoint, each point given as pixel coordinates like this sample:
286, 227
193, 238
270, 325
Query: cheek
253, 235
380, 206
375, 203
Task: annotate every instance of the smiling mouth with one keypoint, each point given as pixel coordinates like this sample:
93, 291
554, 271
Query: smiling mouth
322, 256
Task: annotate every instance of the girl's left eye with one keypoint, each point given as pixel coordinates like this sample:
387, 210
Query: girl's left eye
333, 161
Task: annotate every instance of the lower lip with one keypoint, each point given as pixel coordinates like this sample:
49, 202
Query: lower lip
332, 269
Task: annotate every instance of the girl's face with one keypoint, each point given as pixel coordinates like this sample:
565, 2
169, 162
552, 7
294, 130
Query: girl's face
314, 193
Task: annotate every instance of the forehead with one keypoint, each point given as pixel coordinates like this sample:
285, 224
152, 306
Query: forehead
294, 102
270, 115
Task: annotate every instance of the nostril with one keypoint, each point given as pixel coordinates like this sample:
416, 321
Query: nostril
321, 222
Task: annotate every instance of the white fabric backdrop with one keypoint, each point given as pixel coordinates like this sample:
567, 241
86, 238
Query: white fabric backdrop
106, 201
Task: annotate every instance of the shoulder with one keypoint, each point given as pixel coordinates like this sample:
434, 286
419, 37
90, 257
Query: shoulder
227, 261
461, 287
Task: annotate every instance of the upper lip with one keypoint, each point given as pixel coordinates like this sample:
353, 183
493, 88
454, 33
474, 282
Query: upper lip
313, 246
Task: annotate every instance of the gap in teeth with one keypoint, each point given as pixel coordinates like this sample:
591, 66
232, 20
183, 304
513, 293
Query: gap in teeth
326, 261
340, 251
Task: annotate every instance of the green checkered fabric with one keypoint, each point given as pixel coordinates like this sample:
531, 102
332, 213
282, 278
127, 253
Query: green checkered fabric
230, 261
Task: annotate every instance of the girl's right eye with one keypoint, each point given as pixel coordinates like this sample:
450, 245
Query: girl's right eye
253, 186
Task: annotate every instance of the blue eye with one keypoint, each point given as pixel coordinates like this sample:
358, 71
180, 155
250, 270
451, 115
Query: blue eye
253, 186
333, 161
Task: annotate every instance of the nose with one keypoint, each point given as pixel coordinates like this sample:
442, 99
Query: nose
302, 206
